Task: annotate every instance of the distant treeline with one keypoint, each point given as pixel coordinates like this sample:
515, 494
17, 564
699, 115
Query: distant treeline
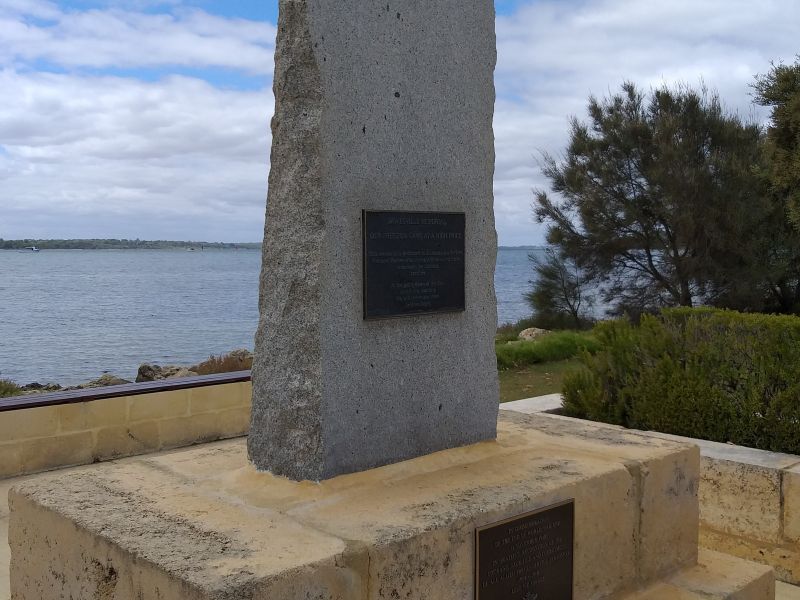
121, 245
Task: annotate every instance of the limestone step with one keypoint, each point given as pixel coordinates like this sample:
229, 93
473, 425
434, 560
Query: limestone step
784, 591
716, 577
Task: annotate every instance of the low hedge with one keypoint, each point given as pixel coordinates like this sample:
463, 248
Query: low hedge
553, 346
710, 374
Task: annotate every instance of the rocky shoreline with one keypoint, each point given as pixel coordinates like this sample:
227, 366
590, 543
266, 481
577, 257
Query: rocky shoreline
236, 360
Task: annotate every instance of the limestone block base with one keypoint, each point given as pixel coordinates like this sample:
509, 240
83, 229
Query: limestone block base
717, 576
202, 523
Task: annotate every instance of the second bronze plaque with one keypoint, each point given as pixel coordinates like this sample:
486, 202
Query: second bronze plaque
528, 557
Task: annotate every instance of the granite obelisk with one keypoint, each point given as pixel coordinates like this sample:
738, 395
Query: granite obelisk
380, 107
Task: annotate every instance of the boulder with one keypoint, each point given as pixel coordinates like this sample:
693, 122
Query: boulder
532, 333
148, 372
39, 388
104, 380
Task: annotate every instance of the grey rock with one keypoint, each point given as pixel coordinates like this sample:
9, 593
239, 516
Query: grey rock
104, 380
148, 372
532, 333
384, 110
39, 388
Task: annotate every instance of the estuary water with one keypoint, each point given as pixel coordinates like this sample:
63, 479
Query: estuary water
67, 316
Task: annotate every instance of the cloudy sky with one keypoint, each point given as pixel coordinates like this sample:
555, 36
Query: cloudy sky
147, 119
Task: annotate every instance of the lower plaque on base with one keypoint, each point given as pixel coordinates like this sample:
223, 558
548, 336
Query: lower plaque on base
528, 557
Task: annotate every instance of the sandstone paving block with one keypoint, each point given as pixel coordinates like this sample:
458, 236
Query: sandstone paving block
126, 440
662, 591
72, 417
545, 403
160, 405
742, 499
26, 424
791, 504
784, 591
214, 398
746, 493
5, 551
783, 557
90, 415
55, 548
246, 393
183, 431
10, 459
59, 450
669, 514
233, 422
717, 576
667, 488
203, 427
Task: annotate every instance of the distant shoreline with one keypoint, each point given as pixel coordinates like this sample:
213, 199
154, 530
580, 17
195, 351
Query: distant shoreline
123, 244
521, 247
115, 244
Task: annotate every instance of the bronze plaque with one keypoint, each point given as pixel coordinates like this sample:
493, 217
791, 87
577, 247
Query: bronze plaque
413, 263
528, 557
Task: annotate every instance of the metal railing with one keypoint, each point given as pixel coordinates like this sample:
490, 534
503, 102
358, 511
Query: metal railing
117, 391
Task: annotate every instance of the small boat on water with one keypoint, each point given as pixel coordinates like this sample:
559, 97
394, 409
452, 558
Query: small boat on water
30, 249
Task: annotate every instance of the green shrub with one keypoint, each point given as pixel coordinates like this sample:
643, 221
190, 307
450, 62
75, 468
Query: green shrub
9, 388
704, 373
553, 346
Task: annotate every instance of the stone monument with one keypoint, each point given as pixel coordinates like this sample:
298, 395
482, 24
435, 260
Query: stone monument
375, 346
383, 111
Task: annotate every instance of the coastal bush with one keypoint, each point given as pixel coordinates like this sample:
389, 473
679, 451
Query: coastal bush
551, 347
9, 388
712, 374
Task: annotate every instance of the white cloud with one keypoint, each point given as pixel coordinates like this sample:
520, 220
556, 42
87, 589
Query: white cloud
115, 38
39, 9
96, 147
86, 153
552, 55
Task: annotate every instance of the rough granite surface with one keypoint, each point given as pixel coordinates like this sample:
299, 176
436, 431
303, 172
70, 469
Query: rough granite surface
382, 106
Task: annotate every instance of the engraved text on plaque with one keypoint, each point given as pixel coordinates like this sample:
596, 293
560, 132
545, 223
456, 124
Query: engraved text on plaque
528, 557
413, 263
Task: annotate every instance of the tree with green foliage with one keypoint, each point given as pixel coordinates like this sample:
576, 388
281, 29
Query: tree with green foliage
780, 90
658, 201
560, 297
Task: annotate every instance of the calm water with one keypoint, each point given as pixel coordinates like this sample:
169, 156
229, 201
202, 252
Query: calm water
67, 316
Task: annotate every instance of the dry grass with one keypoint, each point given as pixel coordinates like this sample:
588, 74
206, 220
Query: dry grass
237, 360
